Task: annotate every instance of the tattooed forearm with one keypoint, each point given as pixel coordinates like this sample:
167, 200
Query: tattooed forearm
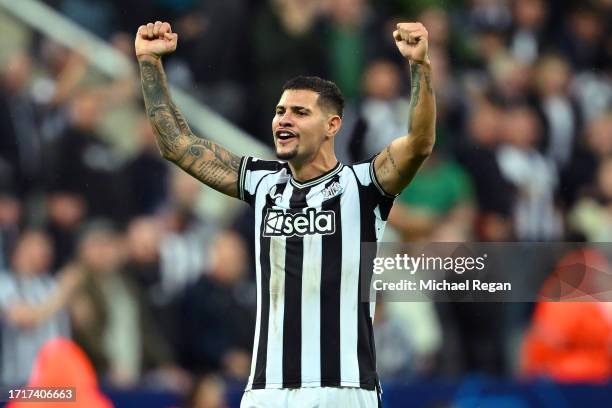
202, 158
430, 90
161, 112
415, 79
422, 103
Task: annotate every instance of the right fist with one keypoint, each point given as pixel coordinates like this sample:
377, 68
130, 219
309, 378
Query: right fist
155, 40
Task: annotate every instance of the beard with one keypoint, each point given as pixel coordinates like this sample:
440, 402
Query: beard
287, 155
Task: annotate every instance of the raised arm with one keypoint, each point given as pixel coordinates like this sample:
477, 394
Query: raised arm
202, 158
397, 164
27, 315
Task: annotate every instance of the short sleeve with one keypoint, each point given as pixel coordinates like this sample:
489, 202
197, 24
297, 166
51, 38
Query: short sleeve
366, 177
252, 171
364, 171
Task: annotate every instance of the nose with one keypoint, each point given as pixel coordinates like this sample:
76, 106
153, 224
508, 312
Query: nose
285, 120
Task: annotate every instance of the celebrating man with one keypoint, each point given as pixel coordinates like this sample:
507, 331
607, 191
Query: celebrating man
314, 343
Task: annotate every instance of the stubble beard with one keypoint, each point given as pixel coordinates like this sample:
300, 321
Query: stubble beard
287, 155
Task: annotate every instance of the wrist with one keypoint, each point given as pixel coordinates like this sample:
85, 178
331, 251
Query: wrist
148, 57
424, 63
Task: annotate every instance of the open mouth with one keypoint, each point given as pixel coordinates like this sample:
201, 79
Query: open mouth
285, 136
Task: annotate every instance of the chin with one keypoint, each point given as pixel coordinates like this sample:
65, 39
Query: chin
286, 155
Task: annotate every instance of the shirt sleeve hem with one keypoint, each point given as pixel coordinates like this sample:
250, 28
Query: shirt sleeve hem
242, 175
377, 184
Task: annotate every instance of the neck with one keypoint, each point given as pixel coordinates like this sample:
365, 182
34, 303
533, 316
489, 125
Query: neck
316, 166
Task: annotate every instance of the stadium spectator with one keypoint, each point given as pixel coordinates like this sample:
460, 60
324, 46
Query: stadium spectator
86, 165
31, 305
510, 80
395, 358
109, 317
209, 392
217, 67
592, 214
530, 33
218, 313
535, 215
353, 38
65, 214
440, 195
144, 265
21, 144
454, 47
187, 236
293, 27
143, 237
478, 156
383, 112
408, 335
595, 145
584, 36
558, 109
146, 173
451, 102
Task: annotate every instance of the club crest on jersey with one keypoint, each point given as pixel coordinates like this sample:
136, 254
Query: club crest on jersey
277, 223
332, 190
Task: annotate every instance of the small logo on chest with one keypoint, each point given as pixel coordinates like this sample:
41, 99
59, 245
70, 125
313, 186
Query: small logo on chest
332, 190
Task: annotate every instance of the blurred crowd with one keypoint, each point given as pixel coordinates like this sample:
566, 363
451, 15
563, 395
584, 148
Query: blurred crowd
104, 242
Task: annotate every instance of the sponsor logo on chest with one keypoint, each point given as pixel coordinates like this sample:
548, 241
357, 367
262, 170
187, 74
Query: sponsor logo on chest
279, 223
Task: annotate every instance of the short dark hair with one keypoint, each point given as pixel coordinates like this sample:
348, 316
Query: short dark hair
330, 95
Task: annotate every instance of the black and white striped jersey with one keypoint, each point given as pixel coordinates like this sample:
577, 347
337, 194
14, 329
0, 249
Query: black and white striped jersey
312, 330
19, 346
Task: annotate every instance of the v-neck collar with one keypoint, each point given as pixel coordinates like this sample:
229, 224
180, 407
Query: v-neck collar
309, 183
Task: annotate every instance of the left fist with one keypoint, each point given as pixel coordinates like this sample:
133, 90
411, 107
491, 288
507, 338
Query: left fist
411, 40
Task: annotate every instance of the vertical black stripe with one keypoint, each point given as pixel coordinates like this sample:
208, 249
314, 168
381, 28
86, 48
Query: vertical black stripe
292, 323
366, 354
259, 377
331, 268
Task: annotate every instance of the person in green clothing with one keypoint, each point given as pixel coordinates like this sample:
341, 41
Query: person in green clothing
437, 205
352, 39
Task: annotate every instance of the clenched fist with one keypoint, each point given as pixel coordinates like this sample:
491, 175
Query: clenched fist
155, 40
411, 40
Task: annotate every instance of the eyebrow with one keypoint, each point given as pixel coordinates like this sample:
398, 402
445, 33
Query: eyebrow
295, 108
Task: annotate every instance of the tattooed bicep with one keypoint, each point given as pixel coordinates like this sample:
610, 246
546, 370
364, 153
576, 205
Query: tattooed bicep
211, 164
394, 168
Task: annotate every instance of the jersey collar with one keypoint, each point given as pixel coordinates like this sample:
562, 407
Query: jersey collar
309, 183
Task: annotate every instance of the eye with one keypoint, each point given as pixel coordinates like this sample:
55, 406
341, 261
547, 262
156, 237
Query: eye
301, 113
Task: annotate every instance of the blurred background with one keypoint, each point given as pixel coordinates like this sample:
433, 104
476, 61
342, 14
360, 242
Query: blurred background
152, 274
